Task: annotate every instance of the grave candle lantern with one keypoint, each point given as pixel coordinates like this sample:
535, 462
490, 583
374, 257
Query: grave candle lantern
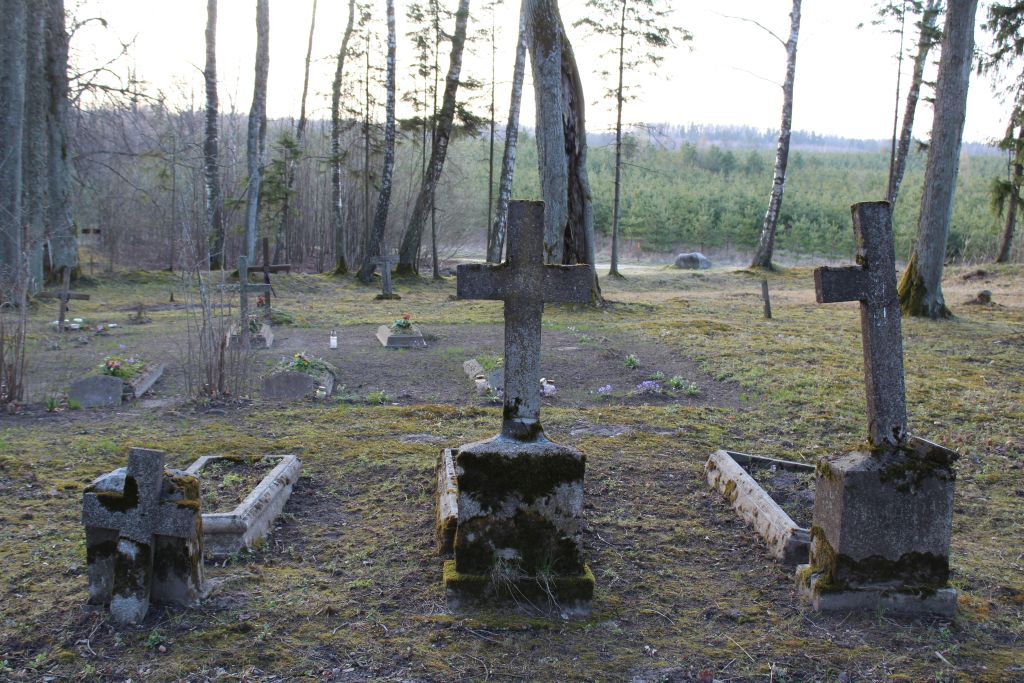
334, 339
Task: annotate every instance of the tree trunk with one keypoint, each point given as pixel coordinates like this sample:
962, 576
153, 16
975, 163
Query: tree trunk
337, 207
34, 153
438, 151
614, 268
257, 135
920, 288
1006, 242
380, 216
925, 40
284, 228
561, 141
62, 240
492, 126
211, 151
496, 243
766, 247
13, 55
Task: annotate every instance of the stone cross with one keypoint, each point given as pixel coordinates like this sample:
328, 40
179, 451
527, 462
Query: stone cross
243, 304
524, 283
138, 515
385, 263
873, 284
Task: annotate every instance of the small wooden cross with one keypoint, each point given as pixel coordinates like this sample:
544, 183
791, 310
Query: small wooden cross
873, 284
243, 303
385, 263
524, 283
138, 516
64, 295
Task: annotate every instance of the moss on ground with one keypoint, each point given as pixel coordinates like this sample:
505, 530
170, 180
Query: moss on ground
349, 586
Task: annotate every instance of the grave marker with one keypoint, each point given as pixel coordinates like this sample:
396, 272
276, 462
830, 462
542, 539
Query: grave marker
244, 287
385, 264
519, 496
882, 517
143, 537
64, 295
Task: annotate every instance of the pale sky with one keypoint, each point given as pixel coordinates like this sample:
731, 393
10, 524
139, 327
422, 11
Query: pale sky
845, 76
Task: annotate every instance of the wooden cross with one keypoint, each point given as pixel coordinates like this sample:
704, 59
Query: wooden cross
873, 284
524, 283
64, 295
244, 288
137, 515
385, 263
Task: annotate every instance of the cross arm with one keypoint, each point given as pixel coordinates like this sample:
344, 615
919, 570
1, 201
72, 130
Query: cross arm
483, 281
832, 285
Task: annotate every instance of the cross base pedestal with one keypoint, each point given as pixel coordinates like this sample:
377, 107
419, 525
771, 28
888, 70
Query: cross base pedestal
881, 531
388, 297
566, 596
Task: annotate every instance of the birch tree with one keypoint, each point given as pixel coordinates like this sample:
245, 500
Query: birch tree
638, 26
498, 228
337, 200
439, 148
380, 216
211, 144
13, 65
561, 141
920, 288
766, 245
256, 140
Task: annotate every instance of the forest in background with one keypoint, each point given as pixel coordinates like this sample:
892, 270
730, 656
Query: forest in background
139, 182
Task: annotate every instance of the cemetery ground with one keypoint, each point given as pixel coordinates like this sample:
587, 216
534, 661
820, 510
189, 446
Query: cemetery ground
348, 585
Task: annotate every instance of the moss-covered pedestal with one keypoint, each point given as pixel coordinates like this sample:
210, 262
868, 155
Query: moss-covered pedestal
516, 530
881, 531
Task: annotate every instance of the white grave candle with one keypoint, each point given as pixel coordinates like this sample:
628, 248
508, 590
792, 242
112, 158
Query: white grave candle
334, 339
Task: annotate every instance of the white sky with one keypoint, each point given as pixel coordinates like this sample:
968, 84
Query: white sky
845, 76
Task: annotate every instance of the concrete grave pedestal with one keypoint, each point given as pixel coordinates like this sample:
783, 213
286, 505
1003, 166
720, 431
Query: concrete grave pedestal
144, 539
290, 385
262, 339
411, 338
227, 533
104, 391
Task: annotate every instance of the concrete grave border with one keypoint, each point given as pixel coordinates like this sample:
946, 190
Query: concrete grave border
413, 339
226, 533
131, 388
787, 542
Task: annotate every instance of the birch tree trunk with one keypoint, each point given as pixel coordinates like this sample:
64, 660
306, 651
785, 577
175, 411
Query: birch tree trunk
925, 40
766, 246
337, 201
284, 228
438, 151
257, 134
920, 288
613, 270
211, 145
34, 153
561, 141
61, 228
496, 242
13, 54
1013, 200
380, 216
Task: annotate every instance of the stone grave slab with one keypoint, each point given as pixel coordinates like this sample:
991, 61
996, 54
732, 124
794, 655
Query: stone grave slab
391, 338
484, 381
102, 391
519, 502
882, 521
290, 385
786, 540
144, 540
227, 533
264, 338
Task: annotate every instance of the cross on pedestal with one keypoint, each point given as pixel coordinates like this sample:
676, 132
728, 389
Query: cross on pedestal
137, 515
64, 296
243, 304
873, 284
385, 263
524, 283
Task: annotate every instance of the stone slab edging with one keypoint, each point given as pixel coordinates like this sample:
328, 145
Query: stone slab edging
226, 533
413, 339
145, 380
786, 541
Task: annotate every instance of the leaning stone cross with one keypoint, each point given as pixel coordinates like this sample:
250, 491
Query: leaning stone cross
138, 515
385, 263
524, 283
873, 284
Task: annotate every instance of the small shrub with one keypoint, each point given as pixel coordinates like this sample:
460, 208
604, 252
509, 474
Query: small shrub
632, 361
378, 397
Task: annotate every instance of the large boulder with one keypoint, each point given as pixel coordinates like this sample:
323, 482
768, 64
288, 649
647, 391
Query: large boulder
692, 261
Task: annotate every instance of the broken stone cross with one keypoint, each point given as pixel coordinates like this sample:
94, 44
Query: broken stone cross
873, 284
143, 537
519, 497
882, 516
385, 264
244, 287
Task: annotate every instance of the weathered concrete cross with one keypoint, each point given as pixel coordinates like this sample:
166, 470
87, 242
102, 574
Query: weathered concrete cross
244, 288
138, 515
524, 283
385, 263
873, 284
